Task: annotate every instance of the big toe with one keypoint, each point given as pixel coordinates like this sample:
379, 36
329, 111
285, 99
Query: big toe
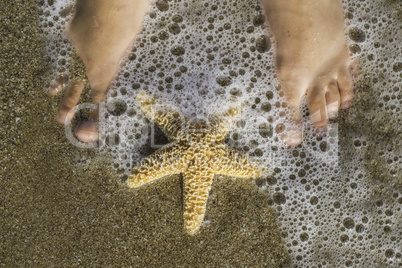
87, 131
293, 138
70, 99
317, 105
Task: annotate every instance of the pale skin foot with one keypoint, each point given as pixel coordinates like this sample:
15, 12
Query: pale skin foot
311, 58
101, 31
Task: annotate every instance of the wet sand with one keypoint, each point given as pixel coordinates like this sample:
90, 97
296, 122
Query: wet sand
58, 209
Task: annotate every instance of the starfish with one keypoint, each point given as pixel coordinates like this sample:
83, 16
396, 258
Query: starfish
197, 150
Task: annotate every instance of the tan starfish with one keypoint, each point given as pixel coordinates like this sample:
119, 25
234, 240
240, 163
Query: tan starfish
197, 150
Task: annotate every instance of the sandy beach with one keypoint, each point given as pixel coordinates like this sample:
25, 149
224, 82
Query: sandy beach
61, 206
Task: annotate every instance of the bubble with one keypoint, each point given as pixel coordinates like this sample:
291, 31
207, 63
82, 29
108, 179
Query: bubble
355, 48
236, 92
379, 203
250, 29
325, 146
259, 20
154, 39
112, 140
178, 87
117, 107
280, 128
174, 28
260, 182
304, 237
272, 180
397, 67
349, 15
62, 62
389, 212
265, 130
344, 238
262, 44
177, 18
302, 173
123, 91
357, 35
279, 198
162, 5
348, 223
266, 107
357, 143
224, 81
163, 35
270, 95
178, 50
257, 153
389, 253
226, 61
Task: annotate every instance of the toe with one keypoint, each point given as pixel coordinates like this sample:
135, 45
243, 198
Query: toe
317, 105
332, 97
294, 89
70, 100
345, 85
293, 99
294, 85
57, 86
87, 131
291, 133
293, 136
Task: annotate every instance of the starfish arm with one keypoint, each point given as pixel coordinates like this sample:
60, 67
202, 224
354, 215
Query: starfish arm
222, 123
169, 118
233, 163
165, 161
197, 182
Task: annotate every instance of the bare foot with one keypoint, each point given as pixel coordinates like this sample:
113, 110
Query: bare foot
311, 57
101, 31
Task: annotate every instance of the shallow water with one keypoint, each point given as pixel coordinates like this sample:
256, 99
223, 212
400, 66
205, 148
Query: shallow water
66, 206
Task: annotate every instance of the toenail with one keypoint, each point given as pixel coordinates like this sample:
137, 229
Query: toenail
332, 114
321, 131
293, 139
346, 104
87, 136
55, 89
